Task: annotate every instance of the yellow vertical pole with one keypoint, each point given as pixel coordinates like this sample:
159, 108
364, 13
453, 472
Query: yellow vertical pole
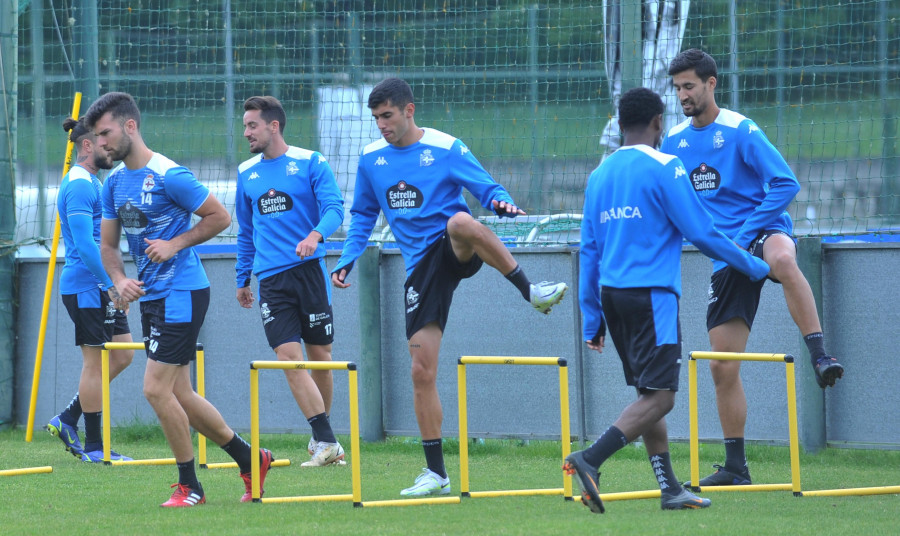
254, 435
48, 291
694, 428
792, 426
564, 418
201, 390
354, 436
463, 431
104, 382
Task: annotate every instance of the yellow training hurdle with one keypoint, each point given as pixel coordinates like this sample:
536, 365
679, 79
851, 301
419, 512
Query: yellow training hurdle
794, 442
566, 490
356, 486
107, 447
350, 367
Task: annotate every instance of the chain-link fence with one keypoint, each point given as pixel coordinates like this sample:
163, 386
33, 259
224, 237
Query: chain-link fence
528, 86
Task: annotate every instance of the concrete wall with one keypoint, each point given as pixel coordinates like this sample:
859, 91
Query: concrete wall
490, 318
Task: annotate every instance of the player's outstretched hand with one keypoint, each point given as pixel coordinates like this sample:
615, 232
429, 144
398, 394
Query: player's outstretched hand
508, 210
245, 297
337, 278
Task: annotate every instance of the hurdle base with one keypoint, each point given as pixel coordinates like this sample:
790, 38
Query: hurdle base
514, 493
630, 495
878, 490
233, 465
152, 461
748, 487
411, 502
308, 498
27, 471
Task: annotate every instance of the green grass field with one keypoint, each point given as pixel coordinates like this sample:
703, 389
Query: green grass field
79, 498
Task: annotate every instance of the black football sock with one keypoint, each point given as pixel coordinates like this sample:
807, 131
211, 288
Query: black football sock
665, 475
735, 458
518, 278
434, 456
239, 450
815, 342
321, 428
93, 440
187, 475
608, 444
72, 413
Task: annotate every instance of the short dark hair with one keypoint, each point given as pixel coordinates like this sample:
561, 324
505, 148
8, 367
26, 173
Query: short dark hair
393, 90
270, 109
120, 105
76, 129
638, 107
693, 58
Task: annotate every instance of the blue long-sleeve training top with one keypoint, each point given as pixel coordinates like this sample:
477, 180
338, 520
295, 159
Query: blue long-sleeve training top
418, 187
78, 205
639, 204
739, 176
279, 202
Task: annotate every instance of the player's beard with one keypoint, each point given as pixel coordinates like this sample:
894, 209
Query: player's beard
102, 162
122, 151
694, 111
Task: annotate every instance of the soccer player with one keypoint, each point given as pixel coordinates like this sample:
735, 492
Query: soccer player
745, 183
416, 177
152, 199
287, 203
83, 284
638, 206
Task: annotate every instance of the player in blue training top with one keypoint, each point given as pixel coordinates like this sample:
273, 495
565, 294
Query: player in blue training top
746, 185
152, 199
287, 203
82, 285
416, 176
638, 206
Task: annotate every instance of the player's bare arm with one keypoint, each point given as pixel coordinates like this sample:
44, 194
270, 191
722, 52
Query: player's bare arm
307, 246
213, 220
125, 290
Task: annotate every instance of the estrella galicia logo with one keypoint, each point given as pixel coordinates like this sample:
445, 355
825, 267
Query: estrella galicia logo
404, 195
273, 202
705, 178
133, 219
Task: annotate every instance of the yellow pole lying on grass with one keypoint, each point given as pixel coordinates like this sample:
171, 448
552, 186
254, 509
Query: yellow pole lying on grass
48, 290
880, 490
26, 471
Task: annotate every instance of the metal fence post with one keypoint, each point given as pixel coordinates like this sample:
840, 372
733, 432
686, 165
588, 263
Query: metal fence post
811, 398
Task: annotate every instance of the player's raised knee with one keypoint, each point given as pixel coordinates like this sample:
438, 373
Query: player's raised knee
462, 224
